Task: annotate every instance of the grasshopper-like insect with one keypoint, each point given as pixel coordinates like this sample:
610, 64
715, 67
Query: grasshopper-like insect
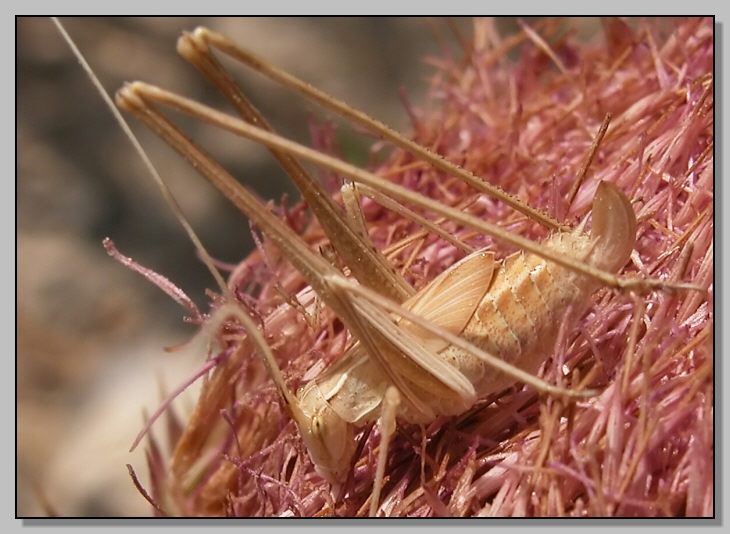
475, 329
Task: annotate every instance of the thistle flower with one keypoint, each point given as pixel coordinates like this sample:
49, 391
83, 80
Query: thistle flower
521, 112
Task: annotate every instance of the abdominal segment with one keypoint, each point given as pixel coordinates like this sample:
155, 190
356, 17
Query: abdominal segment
519, 318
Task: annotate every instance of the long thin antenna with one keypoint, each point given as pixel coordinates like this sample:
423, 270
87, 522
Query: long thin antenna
164, 189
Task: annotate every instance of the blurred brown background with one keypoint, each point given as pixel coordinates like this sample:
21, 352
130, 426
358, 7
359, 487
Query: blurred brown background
91, 333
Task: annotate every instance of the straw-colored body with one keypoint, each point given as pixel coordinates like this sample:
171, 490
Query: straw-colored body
510, 310
517, 320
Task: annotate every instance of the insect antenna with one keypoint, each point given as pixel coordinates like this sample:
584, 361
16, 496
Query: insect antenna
218, 41
154, 173
231, 309
141, 90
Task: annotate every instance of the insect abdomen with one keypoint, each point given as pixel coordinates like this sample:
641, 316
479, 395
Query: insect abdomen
519, 318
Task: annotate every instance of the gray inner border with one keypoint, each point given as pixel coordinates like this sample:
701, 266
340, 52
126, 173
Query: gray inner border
454, 7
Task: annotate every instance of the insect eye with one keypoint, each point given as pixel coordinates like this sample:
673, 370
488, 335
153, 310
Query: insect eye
316, 426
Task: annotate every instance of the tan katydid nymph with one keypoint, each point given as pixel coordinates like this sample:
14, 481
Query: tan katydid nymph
475, 329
